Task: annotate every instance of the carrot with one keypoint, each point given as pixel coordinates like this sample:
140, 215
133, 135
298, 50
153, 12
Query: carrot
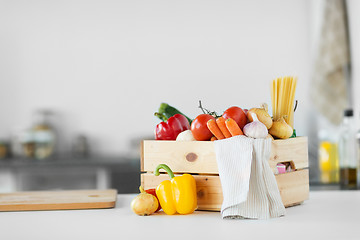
213, 138
214, 129
221, 124
233, 127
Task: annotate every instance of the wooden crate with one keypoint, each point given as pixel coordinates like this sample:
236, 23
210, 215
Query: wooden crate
198, 158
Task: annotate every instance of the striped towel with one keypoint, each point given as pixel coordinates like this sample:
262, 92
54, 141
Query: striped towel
248, 183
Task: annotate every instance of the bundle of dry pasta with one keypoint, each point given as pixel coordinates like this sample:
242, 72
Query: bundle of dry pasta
282, 97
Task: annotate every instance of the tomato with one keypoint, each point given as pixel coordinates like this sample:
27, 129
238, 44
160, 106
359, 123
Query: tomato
199, 127
237, 114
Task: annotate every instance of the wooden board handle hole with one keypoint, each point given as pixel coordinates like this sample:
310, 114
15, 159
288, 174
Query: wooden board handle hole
284, 167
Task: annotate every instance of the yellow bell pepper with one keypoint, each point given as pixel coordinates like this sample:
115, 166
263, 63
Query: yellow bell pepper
177, 195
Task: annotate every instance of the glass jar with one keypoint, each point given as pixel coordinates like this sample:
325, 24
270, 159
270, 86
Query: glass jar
43, 134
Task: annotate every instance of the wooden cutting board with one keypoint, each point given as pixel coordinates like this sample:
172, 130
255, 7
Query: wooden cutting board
58, 200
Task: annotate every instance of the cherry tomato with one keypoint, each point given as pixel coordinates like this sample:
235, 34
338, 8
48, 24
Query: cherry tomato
199, 127
237, 114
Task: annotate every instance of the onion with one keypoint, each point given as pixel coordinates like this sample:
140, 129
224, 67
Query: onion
185, 136
144, 204
281, 129
262, 114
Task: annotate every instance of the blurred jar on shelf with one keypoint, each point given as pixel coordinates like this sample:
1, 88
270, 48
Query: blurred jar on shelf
28, 143
43, 134
4, 149
80, 147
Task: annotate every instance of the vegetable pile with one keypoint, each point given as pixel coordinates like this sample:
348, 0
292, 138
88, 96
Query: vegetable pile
177, 195
208, 126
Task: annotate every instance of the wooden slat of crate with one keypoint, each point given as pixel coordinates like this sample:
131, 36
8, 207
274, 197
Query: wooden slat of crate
199, 156
293, 187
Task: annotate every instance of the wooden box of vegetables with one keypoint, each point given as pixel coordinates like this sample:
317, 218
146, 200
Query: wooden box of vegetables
198, 158
195, 153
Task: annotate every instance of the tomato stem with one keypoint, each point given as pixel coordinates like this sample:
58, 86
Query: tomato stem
206, 111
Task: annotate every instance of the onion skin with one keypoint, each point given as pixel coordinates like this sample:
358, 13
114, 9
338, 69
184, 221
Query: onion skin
262, 115
280, 129
144, 204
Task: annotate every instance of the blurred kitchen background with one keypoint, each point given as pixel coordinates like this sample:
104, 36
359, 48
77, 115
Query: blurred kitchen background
80, 80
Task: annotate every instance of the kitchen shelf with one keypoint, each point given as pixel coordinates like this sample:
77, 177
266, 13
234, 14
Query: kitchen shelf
68, 173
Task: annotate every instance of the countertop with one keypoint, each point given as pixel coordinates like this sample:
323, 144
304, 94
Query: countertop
326, 215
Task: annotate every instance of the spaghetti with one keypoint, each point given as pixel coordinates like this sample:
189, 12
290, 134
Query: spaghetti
282, 97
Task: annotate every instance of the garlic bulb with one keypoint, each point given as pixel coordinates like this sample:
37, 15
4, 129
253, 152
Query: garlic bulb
255, 129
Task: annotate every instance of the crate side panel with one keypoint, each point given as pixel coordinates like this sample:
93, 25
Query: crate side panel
183, 157
142, 156
290, 150
293, 187
200, 157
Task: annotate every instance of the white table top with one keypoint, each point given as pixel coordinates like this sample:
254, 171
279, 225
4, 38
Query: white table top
326, 215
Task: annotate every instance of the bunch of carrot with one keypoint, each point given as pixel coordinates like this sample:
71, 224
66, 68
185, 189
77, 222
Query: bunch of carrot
222, 128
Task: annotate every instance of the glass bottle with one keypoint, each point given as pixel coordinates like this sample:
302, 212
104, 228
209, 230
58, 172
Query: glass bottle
348, 156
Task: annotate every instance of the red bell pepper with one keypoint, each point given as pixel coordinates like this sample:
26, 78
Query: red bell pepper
152, 191
170, 129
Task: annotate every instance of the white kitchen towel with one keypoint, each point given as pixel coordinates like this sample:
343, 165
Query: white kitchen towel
249, 185
330, 90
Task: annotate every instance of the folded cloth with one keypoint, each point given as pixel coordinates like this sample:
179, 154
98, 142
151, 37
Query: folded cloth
248, 183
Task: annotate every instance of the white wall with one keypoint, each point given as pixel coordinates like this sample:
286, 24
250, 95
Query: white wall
105, 66
354, 23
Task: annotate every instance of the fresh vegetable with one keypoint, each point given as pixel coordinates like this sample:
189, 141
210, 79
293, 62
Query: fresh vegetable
262, 115
233, 127
167, 111
221, 124
185, 136
199, 127
170, 129
144, 204
213, 138
270, 136
281, 129
214, 129
255, 129
177, 195
237, 114
152, 191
